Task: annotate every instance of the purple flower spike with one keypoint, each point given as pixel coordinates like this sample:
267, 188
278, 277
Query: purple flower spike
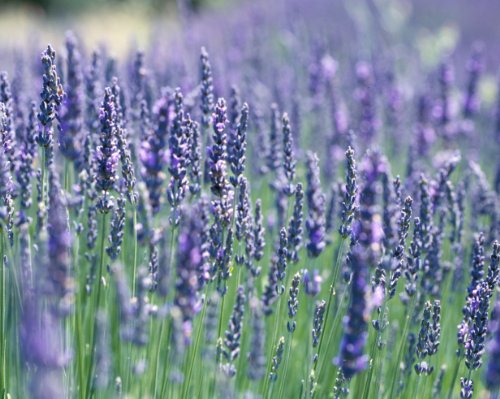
351, 358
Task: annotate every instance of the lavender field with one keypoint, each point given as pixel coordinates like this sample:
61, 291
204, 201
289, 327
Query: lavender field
286, 199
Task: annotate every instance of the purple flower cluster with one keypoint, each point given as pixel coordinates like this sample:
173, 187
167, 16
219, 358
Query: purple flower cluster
51, 98
59, 244
179, 157
351, 358
153, 153
189, 258
108, 155
315, 222
7, 128
217, 156
70, 134
233, 333
206, 89
493, 370
350, 194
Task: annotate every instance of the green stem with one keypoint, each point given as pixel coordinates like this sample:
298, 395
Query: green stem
66, 176
402, 344
192, 360
454, 379
276, 326
43, 166
162, 325
3, 337
41, 221
244, 333
380, 367
157, 362
96, 308
219, 329
336, 325
80, 350
275, 337
134, 232
79, 314
221, 315
287, 358
367, 385
278, 321
167, 357
340, 253
310, 311
376, 360
417, 387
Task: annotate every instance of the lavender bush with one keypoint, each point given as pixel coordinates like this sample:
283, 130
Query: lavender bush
264, 213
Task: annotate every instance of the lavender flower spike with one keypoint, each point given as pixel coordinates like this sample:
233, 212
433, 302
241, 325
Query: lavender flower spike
368, 229
7, 128
117, 229
351, 359
467, 388
493, 269
256, 357
398, 251
493, 368
195, 168
242, 221
153, 153
365, 95
312, 282
477, 304
319, 313
351, 189
276, 275
5, 190
107, 152
259, 231
295, 229
218, 152
70, 140
128, 172
315, 223
59, 246
288, 156
475, 67
293, 302
233, 333
238, 145
51, 95
274, 155
189, 258
42, 337
428, 337
477, 269
179, 158
276, 361
25, 172
206, 89
217, 163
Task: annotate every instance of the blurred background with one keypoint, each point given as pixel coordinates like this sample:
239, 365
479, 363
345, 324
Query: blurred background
115, 22
65, 6
433, 28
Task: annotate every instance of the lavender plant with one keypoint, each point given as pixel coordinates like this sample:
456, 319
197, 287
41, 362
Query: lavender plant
164, 243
